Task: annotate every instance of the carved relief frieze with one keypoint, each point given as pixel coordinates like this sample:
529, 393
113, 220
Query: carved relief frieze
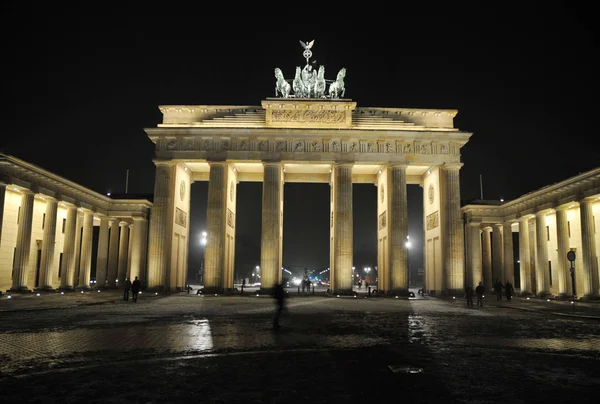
298, 146
280, 145
172, 144
316, 146
225, 144
383, 220
407, 148
230, 219
443, 148
425, 148
243, 145
371, 147
207, 144
388, 147
308, 116
263, 145
335, 146
433, 220
188, 144
353, 147
180, 217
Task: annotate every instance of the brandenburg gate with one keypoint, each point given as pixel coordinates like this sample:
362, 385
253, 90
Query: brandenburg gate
306, 134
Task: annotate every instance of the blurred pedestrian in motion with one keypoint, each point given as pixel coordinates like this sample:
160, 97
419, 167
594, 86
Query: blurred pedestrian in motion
509, 290
126, 290
498, 289
135, 289
469, 296
279, 295
479, 291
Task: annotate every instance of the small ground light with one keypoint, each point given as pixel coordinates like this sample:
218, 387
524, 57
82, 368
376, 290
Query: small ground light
82, 291
527, 298
140, 293
548, 300
571, 302
453, 297
257, 294
9, 297
62, 293
156, 293
37, 294
98, 291
215, 294
338, 295
396, 297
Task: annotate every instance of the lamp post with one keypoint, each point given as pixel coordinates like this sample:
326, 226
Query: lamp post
408, 245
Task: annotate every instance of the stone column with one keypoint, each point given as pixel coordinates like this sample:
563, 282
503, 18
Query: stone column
66, 277
498, 254
2, 200
102, 257
532, 256
542, 273
85, 263
398, 230
75, 262
48, 245
216, 214
270, 254
138, 249
123, 253
562, 238
113, 255
475, 273
343, 229
524, 256
589, 270
509, 258
486, 255
23, 248
454, 237
161, 223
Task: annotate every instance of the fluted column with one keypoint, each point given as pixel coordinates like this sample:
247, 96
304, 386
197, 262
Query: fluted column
509, 258
454, 237
159, 245
398, 222
85, 263
542, 273
343, 228
123, 253
589, 271
214, 263
474, 267
562, 239
66, 277
48, 245
524, 256
270, 254
2, 200
75, 262
23, 248
113, 255
102, 256
498, 254
486, 255
138, 249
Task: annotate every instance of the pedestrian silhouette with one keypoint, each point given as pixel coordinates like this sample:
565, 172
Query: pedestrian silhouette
479, 290
509, 290
279, 295
126, 290
469, 296
135, 289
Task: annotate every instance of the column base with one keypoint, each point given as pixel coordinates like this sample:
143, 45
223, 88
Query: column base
525, 293
66, 289
20, 289
84, 288
544, 295
45, 289
591, 297
343, 292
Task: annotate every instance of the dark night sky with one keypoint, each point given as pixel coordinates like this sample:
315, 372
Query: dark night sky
80, 85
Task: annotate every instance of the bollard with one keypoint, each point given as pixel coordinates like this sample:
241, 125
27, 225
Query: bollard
313, 288
369, 291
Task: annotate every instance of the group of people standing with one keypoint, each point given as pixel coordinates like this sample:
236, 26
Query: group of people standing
508, 289
133, 287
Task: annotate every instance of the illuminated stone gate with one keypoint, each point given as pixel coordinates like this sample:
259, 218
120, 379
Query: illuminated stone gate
314, 141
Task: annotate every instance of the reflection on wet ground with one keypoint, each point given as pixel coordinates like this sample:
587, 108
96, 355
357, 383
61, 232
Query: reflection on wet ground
443, 343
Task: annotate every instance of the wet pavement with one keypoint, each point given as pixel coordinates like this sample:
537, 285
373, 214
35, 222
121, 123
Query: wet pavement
95, 347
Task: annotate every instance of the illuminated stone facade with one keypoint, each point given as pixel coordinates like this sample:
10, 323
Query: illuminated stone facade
46, 233
551, 222
317, 141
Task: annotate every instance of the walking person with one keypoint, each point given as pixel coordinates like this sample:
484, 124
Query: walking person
498, 289
509, 291
279, 295
135, 289
126, 290
479, 290
469, 296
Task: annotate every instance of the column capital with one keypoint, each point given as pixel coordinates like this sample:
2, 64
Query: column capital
398, 165
343, 164
266, 163
47, 197
589, 199
220, 163
487, 228
451, 166
164, 163
498, 225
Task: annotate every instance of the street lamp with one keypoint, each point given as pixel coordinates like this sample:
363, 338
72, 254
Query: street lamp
408, 245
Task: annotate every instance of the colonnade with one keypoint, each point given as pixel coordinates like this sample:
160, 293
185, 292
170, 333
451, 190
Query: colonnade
545, 236
52, 240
